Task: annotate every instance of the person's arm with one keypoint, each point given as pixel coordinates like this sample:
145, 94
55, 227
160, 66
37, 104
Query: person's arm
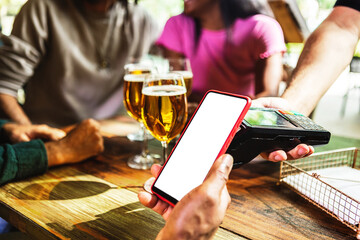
11, 109
20, 54
326, 54
268, 76
32, 158
199, 213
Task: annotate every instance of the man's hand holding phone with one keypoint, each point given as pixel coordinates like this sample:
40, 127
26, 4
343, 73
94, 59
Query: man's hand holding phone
199, 213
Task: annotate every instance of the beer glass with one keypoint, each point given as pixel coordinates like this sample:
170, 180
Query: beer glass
133, 84
164, 107
182, 66
132, 94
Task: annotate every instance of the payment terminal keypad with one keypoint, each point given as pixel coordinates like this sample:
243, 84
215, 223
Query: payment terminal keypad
301, 120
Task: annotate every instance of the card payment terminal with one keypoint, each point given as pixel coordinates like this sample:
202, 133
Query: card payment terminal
266, 130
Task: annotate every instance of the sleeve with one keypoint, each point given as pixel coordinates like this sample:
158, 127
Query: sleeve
171, 37
22, 160
346, 3
269, 37
22, 51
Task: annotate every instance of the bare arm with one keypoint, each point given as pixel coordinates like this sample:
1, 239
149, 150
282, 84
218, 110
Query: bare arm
268, 76
11, 109
326, 54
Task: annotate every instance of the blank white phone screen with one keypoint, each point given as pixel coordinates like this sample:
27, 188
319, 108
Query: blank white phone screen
200, 144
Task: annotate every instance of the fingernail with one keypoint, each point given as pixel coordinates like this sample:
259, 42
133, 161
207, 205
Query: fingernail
147, 185
302, 152
278, 158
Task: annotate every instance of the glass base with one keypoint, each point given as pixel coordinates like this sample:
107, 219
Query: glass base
143, 162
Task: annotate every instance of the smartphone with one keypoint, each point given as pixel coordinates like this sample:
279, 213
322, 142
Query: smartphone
207, 135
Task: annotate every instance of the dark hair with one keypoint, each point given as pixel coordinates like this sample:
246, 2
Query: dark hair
234, 9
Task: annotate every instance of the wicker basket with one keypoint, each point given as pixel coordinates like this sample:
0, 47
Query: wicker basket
300, 175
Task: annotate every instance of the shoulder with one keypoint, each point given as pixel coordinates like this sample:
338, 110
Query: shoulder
262, 20
181, 18
180, 21
262, 24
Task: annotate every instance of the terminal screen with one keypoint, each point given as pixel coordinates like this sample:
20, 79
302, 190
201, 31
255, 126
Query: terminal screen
267, 119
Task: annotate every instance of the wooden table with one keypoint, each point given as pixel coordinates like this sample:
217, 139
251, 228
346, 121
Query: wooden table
97, 199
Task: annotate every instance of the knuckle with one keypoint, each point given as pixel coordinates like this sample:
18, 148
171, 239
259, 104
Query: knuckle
42, 126
210, 200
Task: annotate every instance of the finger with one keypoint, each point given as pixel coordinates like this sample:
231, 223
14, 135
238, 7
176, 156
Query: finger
148, 184
147, 199
301, 150
155, 169
43, 131
219, 173
157, 205
275, 156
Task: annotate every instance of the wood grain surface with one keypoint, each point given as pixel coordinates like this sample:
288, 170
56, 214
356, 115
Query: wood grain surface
97, 199
68, 204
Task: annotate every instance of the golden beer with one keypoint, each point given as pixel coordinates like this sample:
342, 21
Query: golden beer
164, 111
139, 71
132, 94
137, 68
188, 79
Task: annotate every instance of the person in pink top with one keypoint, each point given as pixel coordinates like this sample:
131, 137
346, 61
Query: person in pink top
230, 45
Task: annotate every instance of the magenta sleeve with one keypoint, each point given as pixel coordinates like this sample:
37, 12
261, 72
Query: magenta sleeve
270, 37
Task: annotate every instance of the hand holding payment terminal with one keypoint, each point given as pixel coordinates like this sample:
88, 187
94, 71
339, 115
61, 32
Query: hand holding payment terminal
266, 130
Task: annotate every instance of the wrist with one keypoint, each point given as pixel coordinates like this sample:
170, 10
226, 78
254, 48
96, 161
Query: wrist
54, 153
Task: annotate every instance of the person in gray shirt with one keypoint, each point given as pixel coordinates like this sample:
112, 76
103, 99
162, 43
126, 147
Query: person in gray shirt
69, 56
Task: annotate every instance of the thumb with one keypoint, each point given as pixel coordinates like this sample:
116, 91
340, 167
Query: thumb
219, 172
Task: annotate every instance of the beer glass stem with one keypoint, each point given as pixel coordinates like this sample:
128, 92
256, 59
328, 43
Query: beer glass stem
164, 148
145, 150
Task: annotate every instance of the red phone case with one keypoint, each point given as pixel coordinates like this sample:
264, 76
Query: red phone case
225, 145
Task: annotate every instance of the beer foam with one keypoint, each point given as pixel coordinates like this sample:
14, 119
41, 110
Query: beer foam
185, 74
168, 90
135, 77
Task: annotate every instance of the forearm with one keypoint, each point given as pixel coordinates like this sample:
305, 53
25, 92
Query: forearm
11, 109
325, 56
268, 76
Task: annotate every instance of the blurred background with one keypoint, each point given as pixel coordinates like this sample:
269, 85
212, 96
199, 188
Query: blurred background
339, 109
